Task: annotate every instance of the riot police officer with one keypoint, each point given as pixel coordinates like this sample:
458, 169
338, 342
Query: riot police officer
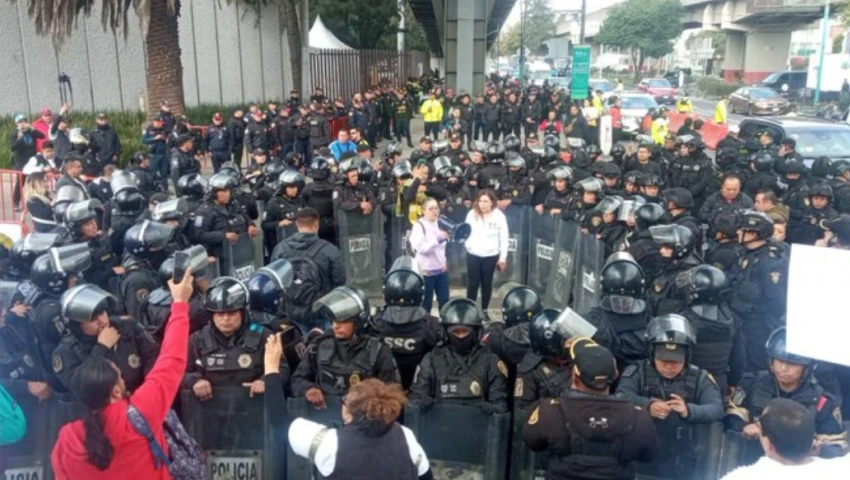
650, 185
588, 194
460, 370
679, 202
155, 310
509, 338
402, 324
82, 219
788, 376
93, 330
173, 213
353, 195
840, 184
220, 219
726, 251
641, 246
515, 189
319, 196
622, 307
229, 350
761, 174
794, 177
279, 214
183, 161
677, 393
805, 223
674, 244
123, 210
345, 355
558, 199
759, 284
24, 252
719, 346
244, 200
144, 251
147, 180
693, 170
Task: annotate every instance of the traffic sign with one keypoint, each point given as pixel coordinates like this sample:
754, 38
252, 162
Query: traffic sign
581, 72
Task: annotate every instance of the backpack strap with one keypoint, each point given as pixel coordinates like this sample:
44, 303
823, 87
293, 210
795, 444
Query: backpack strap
143, 428
315, 248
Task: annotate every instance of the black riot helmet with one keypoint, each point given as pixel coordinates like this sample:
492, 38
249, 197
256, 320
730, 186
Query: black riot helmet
123, 180
26, 250
344, 304
450, 172
404, 285
231, 169
794, 166
821, 167
671, 337
777, 348
130, 201
320, 169
65, 196
515, 161
82, 303
170, 210
677, 237
226, 294
581, 159
593, 150
222, 181
703, 285
402, 170
759, 223
650, 180
461, 312
192, 185
549, 156
440, 163
561, 172
618, 151
495, 152
727, 157
197, 263
679, 198
648, 215
272, 171
521, 305
762, 161
143, 239
52, 272
629, 207
633, 177
441, 146
727, 223
393, 148
291, 178
840, 167
553, 142
545, 339
79, 213
621, 275
267, 286
820, 189
512, 143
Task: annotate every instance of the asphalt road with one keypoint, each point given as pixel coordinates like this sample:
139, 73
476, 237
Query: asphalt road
705, 108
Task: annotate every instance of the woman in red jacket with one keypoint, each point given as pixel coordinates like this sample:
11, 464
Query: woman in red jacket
104, 445
551, 126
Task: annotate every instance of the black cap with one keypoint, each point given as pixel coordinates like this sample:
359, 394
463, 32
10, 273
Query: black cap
789, 142
259, 151
363, 148
672, 352
425, 140
594, 364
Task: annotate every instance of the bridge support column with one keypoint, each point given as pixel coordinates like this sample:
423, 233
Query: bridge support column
733, 57
766, 52
465, 46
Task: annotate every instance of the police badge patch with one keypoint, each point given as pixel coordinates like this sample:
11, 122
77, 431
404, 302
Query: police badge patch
244, 360
354, 379
774, 277
57, 364
134, 361
475, 388
502, 368
28, 361
518, 388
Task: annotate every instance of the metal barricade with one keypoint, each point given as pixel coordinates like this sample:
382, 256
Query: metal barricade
299, 468
361, 241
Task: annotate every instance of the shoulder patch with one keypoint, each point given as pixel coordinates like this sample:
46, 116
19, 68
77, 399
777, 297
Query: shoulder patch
57, 364
518, 388
630, 370
836, 414
199, 221
775, 277
711, 377
142, 294
535, 416
502, 368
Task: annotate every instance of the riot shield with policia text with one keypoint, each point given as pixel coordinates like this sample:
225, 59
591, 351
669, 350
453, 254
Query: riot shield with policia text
458, 232
543, 229
517, 217
237, 258
590, 257
361, 241
559, 286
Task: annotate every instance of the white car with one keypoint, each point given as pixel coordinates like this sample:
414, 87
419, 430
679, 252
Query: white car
634, 108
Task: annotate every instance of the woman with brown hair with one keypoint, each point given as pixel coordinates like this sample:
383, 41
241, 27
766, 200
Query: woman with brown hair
38, 200
486, 247
371, 443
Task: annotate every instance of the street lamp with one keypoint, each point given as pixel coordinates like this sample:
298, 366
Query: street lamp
824, 29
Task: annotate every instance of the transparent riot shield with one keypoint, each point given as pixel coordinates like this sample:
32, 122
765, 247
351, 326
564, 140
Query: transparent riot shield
299, 468
690, 452
590, 257
8, 291
456, 251
525, 464
238, 259
361, 240
737, 452
260, 253
543, 228
399, 230
462, 442
30, 457
517, 217
559, 286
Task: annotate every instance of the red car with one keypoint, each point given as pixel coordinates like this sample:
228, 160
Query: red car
660, 89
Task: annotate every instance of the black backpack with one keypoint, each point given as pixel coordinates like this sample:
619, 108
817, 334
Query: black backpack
306, 285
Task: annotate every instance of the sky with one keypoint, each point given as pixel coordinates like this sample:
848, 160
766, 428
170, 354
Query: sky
592, 6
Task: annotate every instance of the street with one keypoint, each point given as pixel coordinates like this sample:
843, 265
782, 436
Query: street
705, 108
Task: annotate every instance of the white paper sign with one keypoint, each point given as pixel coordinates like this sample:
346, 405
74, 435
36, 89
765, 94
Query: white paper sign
818, 293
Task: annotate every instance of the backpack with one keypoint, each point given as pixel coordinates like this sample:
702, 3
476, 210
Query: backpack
13, 422
185, 460
306, 285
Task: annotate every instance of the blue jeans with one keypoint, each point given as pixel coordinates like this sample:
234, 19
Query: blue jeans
440, 284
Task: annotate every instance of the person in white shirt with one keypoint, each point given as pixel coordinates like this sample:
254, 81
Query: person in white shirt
788, 439
486, 247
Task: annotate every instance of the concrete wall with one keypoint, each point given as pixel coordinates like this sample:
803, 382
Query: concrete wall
230, 55
766, 51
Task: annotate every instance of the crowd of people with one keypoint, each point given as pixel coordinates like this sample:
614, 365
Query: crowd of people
121, 273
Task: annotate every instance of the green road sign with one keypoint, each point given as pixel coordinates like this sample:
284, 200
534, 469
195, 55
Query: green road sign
581, 72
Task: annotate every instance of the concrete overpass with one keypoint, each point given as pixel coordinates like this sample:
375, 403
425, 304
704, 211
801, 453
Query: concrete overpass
758, 31
459, 34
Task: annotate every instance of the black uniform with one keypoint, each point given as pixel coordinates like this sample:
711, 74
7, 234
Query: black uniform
278, 209
539, 378
725, 255
695, 173
101, 273
105, 144
319, 196
219, 140
720, 347
509, 344
155, 311
182, 163
333, 365
805, 224
410, 333
628, 317
136, 284
662, 296
23, 356
212, 221
257, 136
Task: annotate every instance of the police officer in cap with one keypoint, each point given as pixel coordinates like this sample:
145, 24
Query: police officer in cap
460, 370
144, 251
229, 350
677, 393
345, 355
220, 219
156, 309
622, 307
404, 326
788, 376
726, 252
693, 171
509, 338
759, 284
719, 345
183, 161
94, 330
675, 256
588, 432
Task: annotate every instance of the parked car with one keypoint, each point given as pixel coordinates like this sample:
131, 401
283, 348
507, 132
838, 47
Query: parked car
815, 137
559, 82
601, 84
633, 108
795, 81
757, 101
672, 76
660, 89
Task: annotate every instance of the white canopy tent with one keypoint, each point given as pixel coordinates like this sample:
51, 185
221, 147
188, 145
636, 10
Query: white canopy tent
322, 38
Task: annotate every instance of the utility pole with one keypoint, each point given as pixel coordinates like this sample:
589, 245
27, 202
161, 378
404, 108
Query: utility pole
823, 38
522, 42
583, 14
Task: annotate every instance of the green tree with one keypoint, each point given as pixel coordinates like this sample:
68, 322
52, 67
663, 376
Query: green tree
58, 19
647, 28
538, 28
838, 43
359, 23
509, 40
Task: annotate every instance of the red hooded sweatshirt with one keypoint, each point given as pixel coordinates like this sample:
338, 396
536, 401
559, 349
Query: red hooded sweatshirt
132, 458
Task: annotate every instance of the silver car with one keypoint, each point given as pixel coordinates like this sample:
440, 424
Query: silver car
633, 108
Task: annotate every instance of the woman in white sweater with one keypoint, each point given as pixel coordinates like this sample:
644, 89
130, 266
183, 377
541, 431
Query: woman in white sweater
487, 246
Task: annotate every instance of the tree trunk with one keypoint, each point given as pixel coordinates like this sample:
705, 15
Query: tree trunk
165, 71
639, 67
293, 38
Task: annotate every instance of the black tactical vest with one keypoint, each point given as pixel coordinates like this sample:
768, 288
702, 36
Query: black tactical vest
685, 385
336, 375
459, 379
238, 362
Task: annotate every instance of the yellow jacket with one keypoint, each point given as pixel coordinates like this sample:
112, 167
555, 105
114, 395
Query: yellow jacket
597, 104
720, 112
432, 111
659, 130
684, 107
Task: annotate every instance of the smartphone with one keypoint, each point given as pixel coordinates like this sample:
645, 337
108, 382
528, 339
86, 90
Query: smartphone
181, 266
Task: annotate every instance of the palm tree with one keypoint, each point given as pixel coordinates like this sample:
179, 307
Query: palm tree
289, 19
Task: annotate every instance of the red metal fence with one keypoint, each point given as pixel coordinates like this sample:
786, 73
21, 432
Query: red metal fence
342, 73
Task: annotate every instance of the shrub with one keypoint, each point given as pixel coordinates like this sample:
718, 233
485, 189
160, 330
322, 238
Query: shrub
715, 87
